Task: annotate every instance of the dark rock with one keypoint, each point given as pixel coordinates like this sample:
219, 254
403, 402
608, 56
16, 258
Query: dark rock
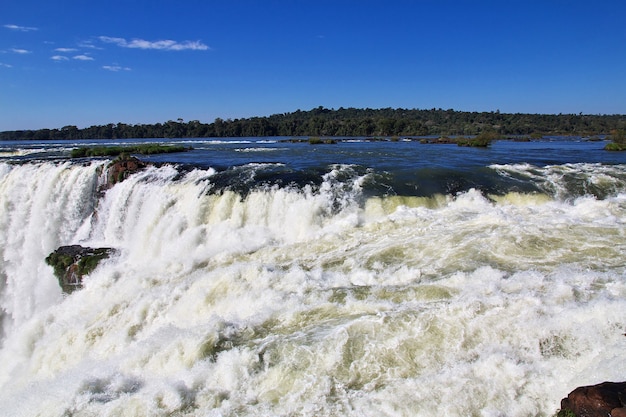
121, 168
618, 412
72, 262
602, 400
444, 140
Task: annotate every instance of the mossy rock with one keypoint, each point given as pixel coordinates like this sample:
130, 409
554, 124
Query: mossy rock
71, 263
123, 167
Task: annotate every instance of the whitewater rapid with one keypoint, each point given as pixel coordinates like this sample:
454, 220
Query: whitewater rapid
312, 300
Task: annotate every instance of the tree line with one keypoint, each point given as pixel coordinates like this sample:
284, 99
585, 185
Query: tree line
321, 121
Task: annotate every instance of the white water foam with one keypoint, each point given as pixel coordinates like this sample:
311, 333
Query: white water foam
294, 302
42, 206
563, 181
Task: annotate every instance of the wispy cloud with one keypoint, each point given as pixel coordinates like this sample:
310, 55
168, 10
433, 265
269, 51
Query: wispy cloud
117, 41
20, 28
83, 58
88, 45
5, 65
20, 51
164, 45
66, 50
115, 68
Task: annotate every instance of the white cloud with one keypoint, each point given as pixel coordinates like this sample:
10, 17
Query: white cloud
5, 65
59, 58
83, 58
108, 39
88, 45
168, 45
66, 50
115, 68
20, 28
20, 51
164, 45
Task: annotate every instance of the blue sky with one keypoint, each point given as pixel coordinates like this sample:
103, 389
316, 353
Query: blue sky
138, 61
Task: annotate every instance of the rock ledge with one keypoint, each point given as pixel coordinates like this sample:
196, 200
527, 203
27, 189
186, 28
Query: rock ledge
72, 262
601, 400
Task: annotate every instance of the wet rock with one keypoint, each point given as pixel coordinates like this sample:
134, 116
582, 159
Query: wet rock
121, 168
602, 400
618, 412
72, 262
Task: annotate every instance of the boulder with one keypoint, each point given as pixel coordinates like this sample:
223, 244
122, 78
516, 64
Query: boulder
121, 168
72, 262
602, 400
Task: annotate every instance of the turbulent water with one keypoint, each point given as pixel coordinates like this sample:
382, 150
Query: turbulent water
265, 278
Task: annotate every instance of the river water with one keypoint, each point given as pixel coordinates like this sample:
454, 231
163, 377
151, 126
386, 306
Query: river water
260, 277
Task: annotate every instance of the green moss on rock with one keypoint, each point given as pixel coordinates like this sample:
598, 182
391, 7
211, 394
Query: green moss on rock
71, 263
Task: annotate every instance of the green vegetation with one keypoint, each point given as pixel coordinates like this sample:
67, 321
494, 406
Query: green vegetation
323, 122
315, 140
60, 262
480, 141
71, 263
618, 143
565, 413
615, 147
145, 149
87, 264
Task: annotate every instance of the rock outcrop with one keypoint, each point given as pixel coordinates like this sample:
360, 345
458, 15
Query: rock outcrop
72, 262
121, 168
602, 400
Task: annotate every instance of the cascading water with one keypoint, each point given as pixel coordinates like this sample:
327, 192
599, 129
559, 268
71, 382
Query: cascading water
319, 299
42, 206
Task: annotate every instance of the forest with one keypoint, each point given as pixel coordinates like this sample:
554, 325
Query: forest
355, 122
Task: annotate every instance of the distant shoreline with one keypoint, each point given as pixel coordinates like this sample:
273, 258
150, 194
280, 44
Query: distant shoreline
345, 122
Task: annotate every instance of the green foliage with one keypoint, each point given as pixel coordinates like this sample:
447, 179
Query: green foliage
88, 263
325, 122
619, 136
483, 140
59, 262
144, 149
488, 135
314, 140
565, 413
71, 263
